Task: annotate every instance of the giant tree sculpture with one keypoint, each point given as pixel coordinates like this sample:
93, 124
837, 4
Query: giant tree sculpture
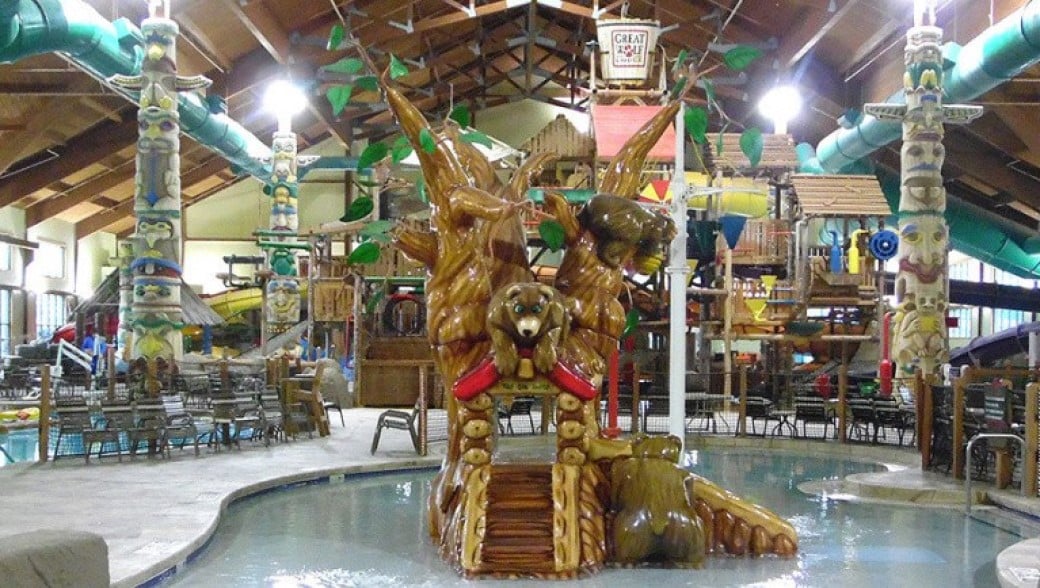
496, 331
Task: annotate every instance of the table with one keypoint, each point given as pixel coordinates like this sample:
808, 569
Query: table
783, 419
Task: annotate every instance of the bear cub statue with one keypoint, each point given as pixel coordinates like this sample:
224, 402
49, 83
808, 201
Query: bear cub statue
654, 520
526, 318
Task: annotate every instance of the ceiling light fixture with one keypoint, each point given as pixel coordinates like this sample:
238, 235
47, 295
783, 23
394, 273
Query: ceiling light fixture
285, 100
780, 105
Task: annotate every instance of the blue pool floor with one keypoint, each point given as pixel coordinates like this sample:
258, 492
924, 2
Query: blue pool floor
153, 513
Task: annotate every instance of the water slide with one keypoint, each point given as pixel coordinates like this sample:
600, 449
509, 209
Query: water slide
231, 303
990, 348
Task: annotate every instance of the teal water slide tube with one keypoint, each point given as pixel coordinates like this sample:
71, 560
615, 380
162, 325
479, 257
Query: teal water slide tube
998, 54
105, 48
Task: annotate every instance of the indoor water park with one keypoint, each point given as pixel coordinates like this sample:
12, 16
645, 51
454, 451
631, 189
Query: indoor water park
416, 293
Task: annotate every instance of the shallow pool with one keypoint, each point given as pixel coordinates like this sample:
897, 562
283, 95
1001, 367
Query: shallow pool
370, 531
19, 445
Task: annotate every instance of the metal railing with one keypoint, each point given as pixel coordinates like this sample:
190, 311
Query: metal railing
967, 458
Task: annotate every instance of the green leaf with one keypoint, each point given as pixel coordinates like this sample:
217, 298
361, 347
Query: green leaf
369, 83
397, 68
426, 140
377, 231
366, 183
338, 97
374, 300
741, 56
364, 253
347, 65
552, 233
709, 92
335, 37
751, 144
696, 120
358, 209
677, 89
680, 61
374, 153
718, 142
478, 138
631, 321
460, 114
420, 189
400, 153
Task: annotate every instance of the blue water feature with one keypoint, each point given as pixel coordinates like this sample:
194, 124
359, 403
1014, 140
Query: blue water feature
370, 531
19, 446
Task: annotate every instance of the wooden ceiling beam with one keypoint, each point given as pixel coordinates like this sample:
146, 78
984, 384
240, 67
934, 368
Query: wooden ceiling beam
84, 192
99, 221
79, 152
802, 41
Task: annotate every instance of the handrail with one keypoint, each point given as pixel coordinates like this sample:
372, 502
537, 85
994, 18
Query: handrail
967, 458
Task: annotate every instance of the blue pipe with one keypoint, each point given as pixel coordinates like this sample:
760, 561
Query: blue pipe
995, 56
103, 48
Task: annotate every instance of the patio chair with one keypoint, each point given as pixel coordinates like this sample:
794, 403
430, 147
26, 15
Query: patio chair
861, 418
182, 425
759, 408
149, 425
813, 410
520, 407
400, 420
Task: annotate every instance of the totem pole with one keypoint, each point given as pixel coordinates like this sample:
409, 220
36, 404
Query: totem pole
919, 336
282, 291
156, 269
126, 297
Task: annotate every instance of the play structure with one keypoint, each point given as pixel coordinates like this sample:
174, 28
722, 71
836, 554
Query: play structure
497, 331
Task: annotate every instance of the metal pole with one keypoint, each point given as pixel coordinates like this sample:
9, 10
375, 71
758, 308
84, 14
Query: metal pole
967, 459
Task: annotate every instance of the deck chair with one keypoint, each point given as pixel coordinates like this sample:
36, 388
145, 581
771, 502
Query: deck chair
181, 425
115, 421
520, 407
149, 426
400, 420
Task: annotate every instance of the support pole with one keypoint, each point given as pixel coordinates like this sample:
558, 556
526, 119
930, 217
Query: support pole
677, 271
727, 332
44, 419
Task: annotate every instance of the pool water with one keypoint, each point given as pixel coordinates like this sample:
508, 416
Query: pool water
370, 531
19, 446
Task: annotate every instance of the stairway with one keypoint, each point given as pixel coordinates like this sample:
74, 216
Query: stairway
518, 536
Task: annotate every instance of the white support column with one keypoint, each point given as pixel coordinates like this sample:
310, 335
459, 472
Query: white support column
1034, 350
677, 271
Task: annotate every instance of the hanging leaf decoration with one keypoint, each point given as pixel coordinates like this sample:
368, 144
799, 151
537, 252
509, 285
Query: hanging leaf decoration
358, 209
741, 56
461, 115
552, 233
338, 97
368, 83
680, 60
367, 252
631, 322
420, 189
677, 89
377, 231
400, 149
347, 65
335, 37
374, 153
397, 68
478, 138
718, 142
374, 300
709, 93
751, 143
426, 141
696, 120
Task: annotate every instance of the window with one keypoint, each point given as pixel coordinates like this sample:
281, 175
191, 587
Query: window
1005, 318
50, 259
5, 321
965, 328
5, 257
50, 313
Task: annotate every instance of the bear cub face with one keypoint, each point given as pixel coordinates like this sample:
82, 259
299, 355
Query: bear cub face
528, 310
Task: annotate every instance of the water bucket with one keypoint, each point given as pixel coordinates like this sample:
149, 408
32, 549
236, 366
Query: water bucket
626, 48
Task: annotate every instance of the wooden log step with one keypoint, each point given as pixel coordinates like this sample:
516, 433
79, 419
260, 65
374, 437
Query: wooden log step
503, 528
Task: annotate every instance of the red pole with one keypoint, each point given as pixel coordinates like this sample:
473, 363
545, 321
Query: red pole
613, 370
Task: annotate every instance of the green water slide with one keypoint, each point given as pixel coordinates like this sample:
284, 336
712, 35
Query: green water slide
998, 54
105, 48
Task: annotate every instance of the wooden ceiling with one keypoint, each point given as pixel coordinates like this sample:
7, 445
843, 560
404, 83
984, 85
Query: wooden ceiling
67, 140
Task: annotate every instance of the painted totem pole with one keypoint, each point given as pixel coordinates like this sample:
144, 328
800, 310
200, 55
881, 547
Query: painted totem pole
156, 269
126, 297
282, 291
919, 335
